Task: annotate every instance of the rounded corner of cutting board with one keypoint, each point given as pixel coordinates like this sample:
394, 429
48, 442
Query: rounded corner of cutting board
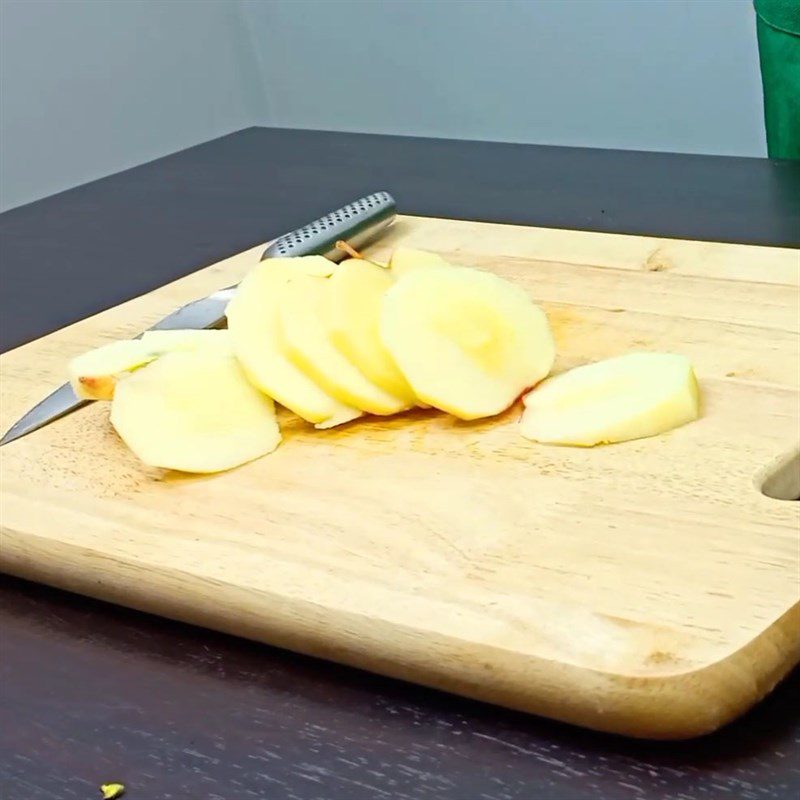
676, 704
659, 701
663, 705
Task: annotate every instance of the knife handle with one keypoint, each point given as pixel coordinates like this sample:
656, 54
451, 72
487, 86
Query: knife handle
356, 223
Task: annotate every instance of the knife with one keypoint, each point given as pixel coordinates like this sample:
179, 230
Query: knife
356, 223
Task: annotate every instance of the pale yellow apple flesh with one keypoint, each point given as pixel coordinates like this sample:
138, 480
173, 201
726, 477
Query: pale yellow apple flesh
629, 397
94, 374
467, 341
254, 327
169, 341
355, 295
310, 265
406, 260
194, 411
307, 336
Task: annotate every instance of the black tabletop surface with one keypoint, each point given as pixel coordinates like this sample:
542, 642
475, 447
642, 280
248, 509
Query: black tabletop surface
91, 693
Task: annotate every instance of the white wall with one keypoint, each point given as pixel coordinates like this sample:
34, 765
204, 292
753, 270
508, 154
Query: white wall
675, 75
90, 87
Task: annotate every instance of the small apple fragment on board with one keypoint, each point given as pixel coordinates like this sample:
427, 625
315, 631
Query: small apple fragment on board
629, 397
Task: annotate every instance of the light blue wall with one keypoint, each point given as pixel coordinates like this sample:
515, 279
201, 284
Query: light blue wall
90, 87
676, 75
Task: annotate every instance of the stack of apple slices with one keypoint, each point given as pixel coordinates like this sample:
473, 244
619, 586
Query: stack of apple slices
362, 341
332, 343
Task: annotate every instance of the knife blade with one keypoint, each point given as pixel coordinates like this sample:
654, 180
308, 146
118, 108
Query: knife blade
356, 223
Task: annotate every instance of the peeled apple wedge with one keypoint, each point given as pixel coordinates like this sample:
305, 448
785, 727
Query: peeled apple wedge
194, 411
309, 344
467, 341
628, 397
354, 296
405, 260
254, 327
94, 375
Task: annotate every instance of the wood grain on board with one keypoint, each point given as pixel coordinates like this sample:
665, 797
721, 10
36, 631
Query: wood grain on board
648, 588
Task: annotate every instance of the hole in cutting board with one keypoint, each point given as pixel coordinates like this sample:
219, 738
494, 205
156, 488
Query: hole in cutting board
781, 480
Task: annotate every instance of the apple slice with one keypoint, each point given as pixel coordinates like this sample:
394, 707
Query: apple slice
253, 324
307, 336
94, 375
405, 260
622, 398
194, 411
169, 341
355, 294
467, 341
309, 265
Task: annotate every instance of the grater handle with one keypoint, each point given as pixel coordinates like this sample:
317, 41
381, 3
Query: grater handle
356, 223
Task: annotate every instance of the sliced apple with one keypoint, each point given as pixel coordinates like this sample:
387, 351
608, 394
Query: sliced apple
355, 294
94, 375
168, 341
309, 265
194, 411
405, 260
253, 323
309, 344
467, 341
628, 397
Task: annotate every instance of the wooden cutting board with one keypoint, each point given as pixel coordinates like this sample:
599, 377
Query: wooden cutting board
647, 588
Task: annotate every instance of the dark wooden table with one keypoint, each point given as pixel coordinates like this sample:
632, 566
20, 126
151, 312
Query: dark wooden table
90, 692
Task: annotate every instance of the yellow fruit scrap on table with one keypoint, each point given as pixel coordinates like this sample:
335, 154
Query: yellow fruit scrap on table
111, 791
331, 343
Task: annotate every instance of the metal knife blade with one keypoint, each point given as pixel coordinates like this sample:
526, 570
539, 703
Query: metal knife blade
355, 223
56, 405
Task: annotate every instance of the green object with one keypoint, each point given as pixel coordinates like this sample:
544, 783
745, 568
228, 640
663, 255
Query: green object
778, 25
